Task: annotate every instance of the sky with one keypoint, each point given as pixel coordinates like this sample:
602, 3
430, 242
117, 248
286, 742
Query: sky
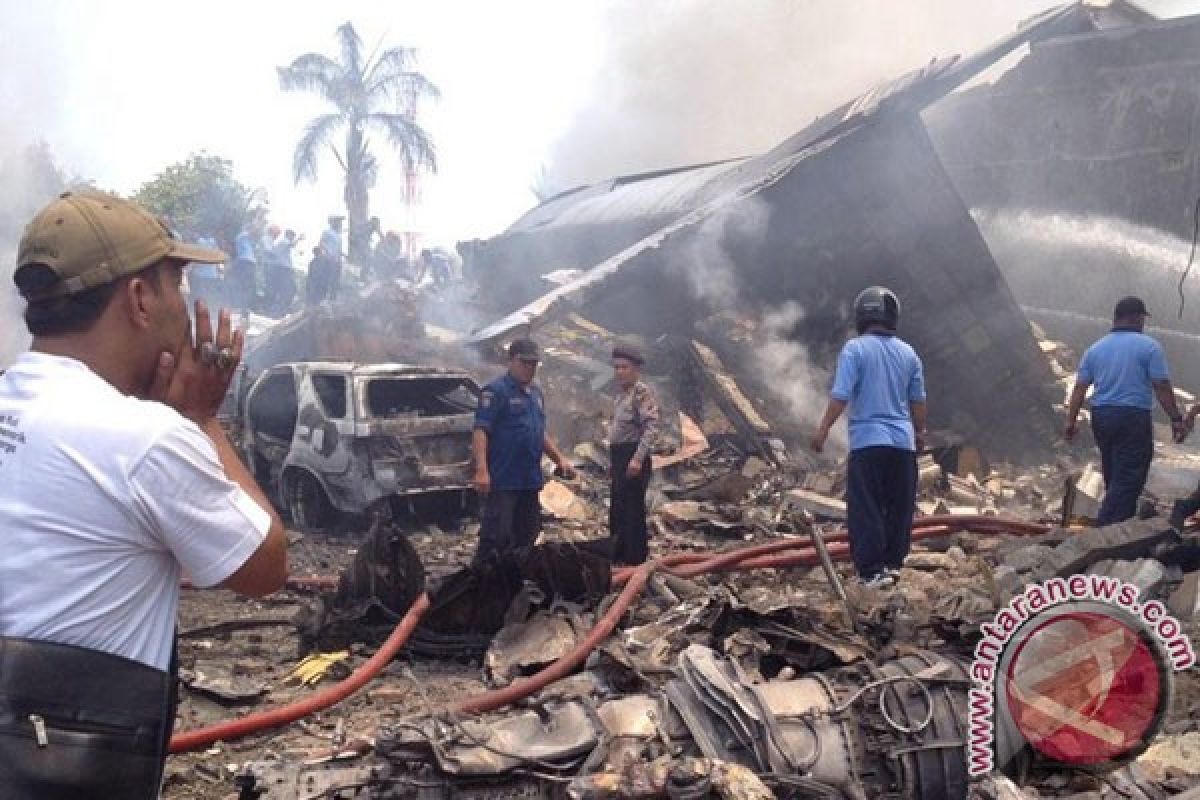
576, 91
122, 88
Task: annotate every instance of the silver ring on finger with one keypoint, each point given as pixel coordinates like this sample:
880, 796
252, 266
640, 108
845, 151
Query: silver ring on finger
225, 359
208, 354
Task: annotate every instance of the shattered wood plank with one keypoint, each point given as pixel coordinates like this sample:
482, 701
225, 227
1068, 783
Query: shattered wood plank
737, 408
728, 393
818, 504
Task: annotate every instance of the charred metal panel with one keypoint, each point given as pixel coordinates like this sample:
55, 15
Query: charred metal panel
379, 586
1091, 123
857, 198
882, 211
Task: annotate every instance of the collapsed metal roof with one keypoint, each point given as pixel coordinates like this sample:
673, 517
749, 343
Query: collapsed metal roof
839, 202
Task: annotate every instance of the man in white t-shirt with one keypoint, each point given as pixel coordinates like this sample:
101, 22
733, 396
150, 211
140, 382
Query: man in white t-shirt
115, 480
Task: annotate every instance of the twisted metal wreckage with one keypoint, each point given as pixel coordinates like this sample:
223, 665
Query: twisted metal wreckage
849, 710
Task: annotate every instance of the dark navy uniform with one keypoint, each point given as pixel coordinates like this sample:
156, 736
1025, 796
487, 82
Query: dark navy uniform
515, 420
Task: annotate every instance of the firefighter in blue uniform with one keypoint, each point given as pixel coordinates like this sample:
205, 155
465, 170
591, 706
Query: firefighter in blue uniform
508, 442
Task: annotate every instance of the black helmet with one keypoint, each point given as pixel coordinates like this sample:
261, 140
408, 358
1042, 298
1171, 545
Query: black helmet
876, 305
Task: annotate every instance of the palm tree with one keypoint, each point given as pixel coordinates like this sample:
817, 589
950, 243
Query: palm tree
359, 90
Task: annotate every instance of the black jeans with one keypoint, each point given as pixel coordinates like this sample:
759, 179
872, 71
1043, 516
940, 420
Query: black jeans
1125, 437
241, 285
881, 496
512, 519
321, 285
627, 507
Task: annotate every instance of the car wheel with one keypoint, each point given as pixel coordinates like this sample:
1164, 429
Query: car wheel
307, 504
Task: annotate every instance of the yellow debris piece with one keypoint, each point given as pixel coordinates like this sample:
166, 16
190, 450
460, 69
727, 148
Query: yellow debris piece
313, 668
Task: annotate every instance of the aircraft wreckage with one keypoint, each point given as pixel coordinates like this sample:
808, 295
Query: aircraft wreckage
769, 691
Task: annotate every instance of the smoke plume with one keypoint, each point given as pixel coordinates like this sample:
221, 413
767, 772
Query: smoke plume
29, 178
689, 81
796, 383
704, 262
761, 338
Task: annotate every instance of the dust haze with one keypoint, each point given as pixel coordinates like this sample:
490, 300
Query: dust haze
683, 83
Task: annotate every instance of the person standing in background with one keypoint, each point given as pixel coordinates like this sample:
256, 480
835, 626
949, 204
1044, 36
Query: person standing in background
1129, 370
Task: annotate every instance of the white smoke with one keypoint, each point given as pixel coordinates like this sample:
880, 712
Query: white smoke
13, 336
776, 361
704, 261
690, 81
1110, 258
785, 368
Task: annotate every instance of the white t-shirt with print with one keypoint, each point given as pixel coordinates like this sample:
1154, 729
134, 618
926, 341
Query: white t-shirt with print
104, 501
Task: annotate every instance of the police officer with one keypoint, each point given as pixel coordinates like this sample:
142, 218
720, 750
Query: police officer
631, 440
881, 380
508, 443
1128, 369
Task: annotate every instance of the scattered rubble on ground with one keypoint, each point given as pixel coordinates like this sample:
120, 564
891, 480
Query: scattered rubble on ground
743, 684
780, 678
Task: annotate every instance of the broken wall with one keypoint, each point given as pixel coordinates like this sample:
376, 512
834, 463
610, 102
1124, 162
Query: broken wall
1095, 123
1099, 127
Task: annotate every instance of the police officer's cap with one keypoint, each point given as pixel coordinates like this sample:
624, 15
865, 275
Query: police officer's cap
524, 349
1130, 307
628, 352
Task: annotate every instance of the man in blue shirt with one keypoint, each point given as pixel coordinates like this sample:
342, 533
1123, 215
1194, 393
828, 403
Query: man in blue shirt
242, 279
1129, 370
325, 270
881, 380
508, 442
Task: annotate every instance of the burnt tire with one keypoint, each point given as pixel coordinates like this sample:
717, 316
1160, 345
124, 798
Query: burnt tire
307, 504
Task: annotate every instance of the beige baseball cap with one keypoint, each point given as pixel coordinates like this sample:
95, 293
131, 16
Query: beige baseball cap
90, 238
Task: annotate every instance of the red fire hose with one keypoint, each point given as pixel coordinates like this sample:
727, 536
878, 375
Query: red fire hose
274, 717
567, 663
770, 555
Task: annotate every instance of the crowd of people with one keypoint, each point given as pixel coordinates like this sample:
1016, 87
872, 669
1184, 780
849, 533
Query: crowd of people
261, 273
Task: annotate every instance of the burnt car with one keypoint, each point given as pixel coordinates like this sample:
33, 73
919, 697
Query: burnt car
330, 439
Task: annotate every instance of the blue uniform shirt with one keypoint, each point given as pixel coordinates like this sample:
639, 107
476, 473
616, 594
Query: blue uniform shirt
515, 421
1122, 366
331, 243
878, 376
243, 248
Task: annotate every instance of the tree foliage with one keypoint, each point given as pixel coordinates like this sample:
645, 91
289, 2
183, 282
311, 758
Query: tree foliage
200, 197
375, 93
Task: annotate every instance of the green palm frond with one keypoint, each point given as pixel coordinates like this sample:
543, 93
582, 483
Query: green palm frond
404, 85
351, 49
411, 142
359, 89
318, 132
313, 72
